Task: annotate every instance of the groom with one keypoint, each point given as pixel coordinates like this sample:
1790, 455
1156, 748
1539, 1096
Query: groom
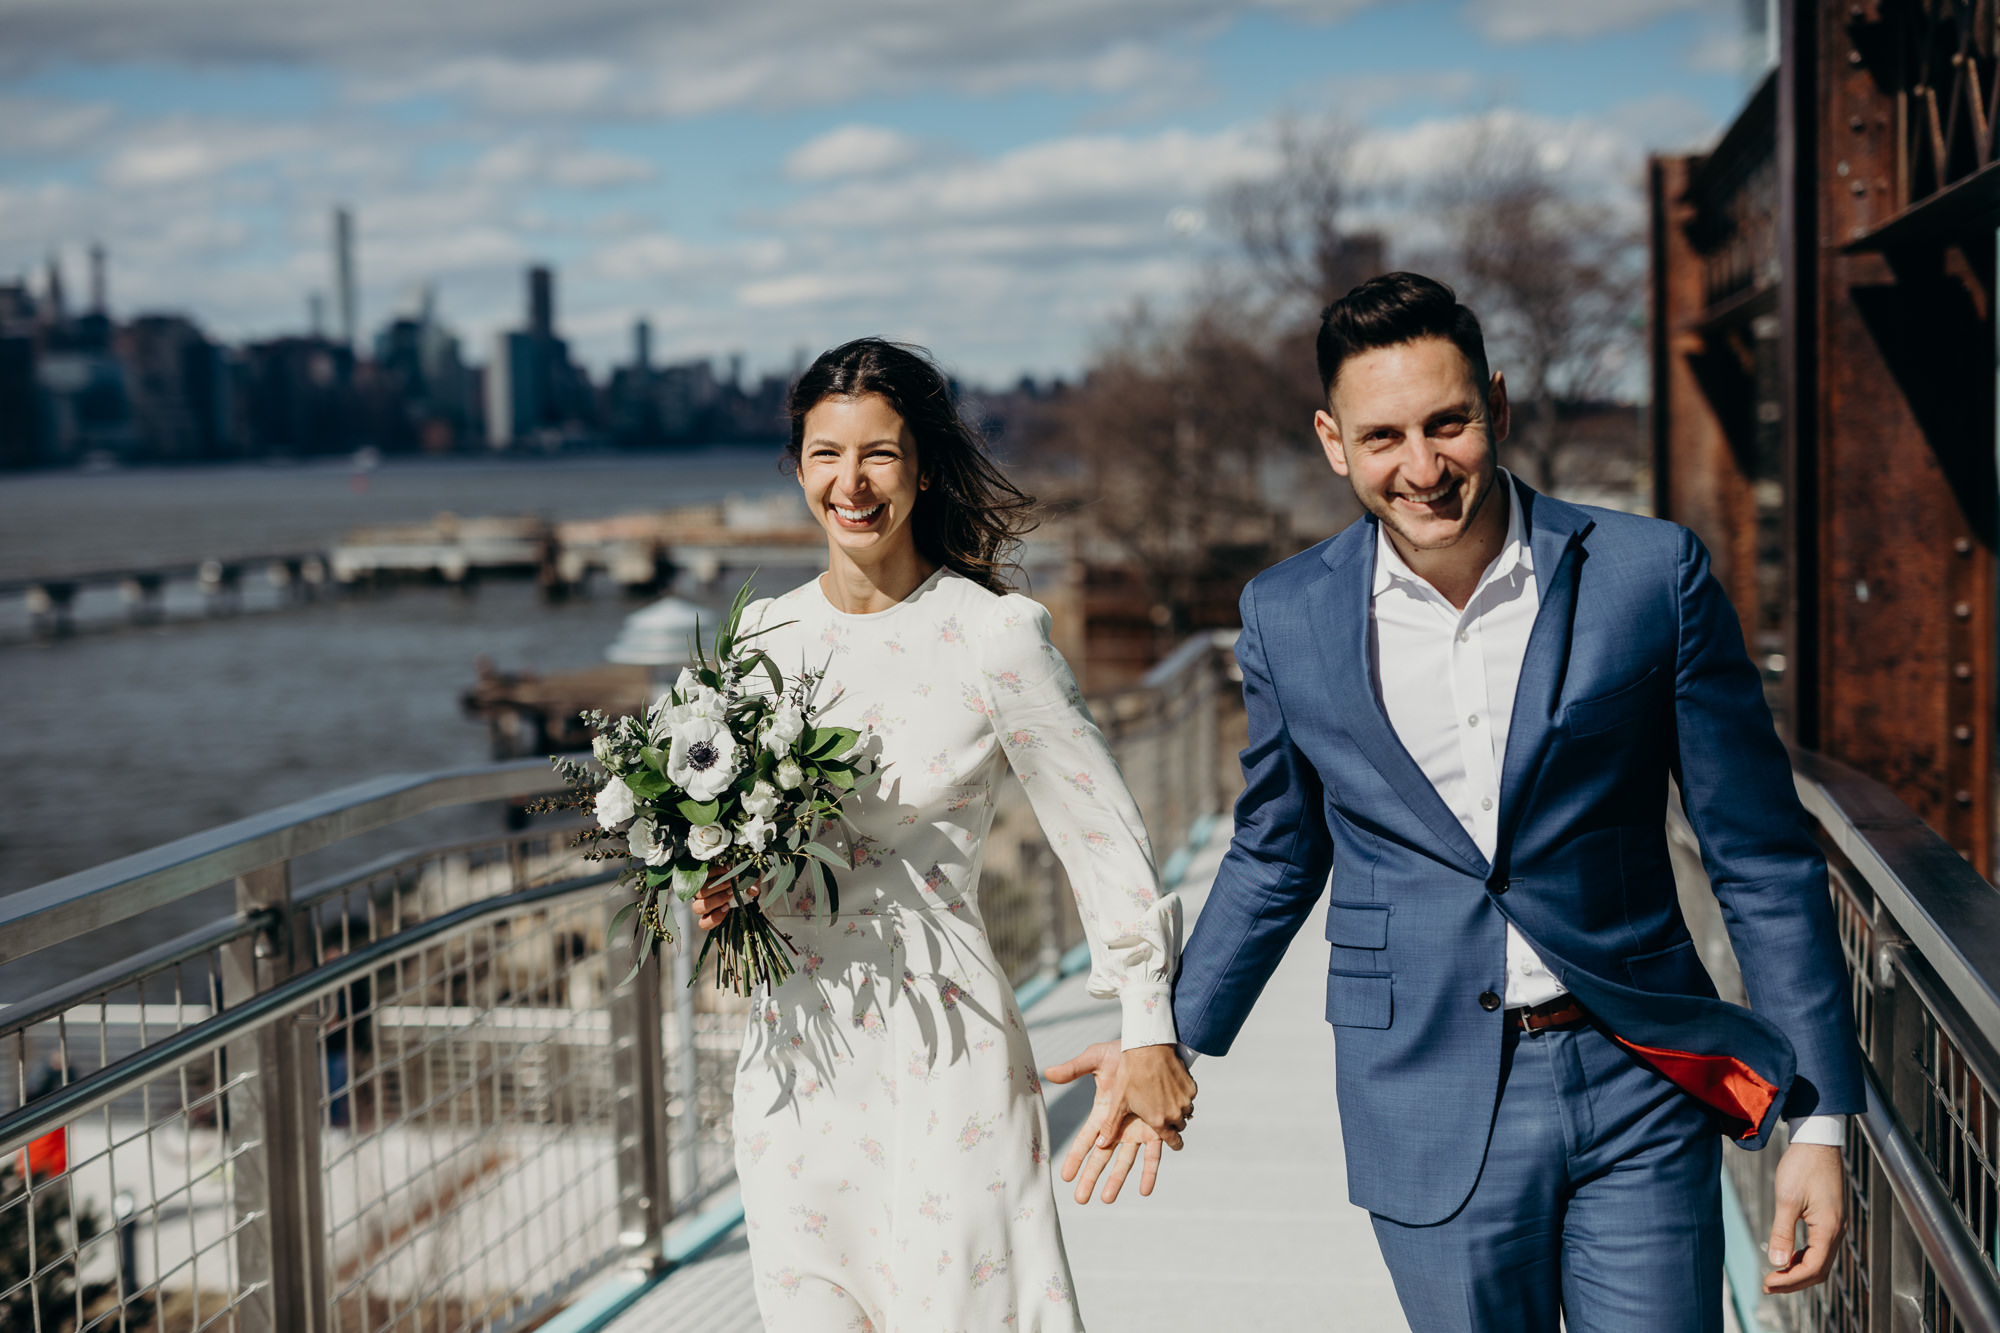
1467, 709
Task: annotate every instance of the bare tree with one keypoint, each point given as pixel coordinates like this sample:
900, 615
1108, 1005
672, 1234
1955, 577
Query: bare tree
1174, 429
1293, 225
1556, 280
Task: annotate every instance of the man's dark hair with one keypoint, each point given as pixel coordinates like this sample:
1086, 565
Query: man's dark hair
1391, 310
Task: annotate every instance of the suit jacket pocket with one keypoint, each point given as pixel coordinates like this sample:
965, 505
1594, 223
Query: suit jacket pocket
1357, 999
1587, 717
1358, 925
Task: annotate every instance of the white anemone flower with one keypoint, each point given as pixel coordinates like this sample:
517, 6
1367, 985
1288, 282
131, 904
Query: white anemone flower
702, 759
615, 804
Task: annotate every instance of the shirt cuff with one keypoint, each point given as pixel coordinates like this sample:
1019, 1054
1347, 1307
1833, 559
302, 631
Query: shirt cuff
1826, 1130
1148, 1014
1188, 1054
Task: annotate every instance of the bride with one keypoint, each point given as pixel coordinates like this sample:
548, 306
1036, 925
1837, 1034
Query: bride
891, 1137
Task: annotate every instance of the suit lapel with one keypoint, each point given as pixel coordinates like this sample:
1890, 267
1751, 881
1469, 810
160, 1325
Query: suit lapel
1341, 604
1555, 535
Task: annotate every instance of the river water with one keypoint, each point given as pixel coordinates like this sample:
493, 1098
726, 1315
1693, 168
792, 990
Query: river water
118, 740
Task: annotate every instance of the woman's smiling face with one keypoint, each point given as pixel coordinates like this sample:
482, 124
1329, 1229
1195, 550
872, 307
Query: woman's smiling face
858, 467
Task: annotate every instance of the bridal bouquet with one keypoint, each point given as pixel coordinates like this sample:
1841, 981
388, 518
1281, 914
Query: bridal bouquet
720, 781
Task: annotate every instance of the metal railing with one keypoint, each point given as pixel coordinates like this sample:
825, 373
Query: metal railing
1921, 933
411, 1096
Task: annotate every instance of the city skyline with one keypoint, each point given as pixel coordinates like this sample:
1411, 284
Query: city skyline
1002, 190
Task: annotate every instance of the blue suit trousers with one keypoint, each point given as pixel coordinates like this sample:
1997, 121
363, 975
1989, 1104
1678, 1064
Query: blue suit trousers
1599, 1201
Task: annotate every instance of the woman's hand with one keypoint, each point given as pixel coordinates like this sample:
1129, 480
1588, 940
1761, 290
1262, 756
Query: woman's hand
1115, 1134
717, 901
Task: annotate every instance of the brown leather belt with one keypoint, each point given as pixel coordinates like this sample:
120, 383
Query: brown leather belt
1561, 1012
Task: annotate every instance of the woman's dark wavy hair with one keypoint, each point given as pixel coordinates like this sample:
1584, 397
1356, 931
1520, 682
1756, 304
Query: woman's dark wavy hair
972, 518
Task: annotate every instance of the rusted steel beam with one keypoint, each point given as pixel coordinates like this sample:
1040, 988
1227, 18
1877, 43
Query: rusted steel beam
1902, 387
1698, 379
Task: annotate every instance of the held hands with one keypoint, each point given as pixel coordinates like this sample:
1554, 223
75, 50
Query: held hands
1810, 1187
1144, 1098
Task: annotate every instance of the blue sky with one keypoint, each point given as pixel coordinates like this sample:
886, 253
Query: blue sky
773, 175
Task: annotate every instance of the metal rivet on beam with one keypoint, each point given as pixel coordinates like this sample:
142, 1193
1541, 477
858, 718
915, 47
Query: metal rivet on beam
1962, 734
1962, 796
1963, 671
1963, 610
1860, 187
1963, 546
1853, 57
1857, 124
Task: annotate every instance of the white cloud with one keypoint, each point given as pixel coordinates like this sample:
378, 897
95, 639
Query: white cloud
1537, 20
541, 161
46, 125
850, 150
530, 58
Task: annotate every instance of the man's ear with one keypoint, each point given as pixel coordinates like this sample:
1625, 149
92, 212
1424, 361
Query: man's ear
1497, 409
1328, 431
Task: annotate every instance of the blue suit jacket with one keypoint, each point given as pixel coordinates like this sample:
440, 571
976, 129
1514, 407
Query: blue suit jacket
1635, 669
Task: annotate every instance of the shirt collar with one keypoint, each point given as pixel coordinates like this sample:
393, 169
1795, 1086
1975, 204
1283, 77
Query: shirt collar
1515, 553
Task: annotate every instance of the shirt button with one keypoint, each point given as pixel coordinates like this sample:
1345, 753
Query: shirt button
1488, 1001
1486, 803
1472, 721
1463, 635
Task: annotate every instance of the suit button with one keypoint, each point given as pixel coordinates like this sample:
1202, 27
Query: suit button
1498, 887
1488, 1001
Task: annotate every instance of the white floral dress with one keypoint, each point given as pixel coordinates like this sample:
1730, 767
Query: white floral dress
891, 1137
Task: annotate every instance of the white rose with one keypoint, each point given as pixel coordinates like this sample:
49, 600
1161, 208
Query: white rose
702, 759
755, 833
645, 842
707, 840
761, 800
790, 776
614, 804
601, 747
785, 725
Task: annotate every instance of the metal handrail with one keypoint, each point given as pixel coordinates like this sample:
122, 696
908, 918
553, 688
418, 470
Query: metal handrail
1961, 1269
1949, 912
62, 909
106, 1085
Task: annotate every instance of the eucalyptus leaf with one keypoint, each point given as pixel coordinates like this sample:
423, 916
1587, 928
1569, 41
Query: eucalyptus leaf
688, 880
617, 921
828, 855
700, 812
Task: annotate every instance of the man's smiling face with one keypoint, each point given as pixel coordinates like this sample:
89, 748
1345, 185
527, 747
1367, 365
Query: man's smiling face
1417, 437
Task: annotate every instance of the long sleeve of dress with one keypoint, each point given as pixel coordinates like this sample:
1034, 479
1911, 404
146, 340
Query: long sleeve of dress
1089, 815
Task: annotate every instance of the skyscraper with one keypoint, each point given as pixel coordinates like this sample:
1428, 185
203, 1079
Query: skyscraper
343, 275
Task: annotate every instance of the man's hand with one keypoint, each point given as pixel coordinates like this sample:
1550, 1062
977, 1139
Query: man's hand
717, 901
1135, 1088
1810, 1186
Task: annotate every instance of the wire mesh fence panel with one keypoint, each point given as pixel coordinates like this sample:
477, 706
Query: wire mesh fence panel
124, 1218
465, 1112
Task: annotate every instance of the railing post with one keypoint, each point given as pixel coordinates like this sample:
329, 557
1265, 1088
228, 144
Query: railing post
687, 1059
639, 1075
275, 1105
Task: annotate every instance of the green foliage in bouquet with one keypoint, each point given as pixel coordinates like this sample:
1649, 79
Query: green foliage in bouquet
722, 782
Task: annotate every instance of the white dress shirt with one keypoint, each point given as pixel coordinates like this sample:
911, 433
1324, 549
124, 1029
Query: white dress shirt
1446, 680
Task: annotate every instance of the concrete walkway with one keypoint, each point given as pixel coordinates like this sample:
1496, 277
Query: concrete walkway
1249, 1227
